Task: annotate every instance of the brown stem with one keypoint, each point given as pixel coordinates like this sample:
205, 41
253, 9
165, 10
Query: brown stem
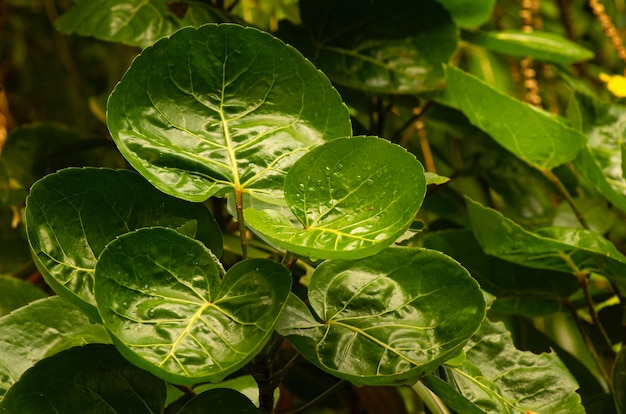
242, 224
568, 197
588, 342
584, 283
425, 146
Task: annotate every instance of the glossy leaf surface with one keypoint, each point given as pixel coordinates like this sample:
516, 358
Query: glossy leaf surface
40, 330
352, 196
500, 379
159, 294
386, 319
381, 46
541, 139
544, 46
135, 22
73, 214
85, 379
15, 293
222, 107
556, 248
218, 401
469, 13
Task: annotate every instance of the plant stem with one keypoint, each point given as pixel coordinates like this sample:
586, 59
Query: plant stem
289, 260
568, 197
434, 404
584, 283
319, 398
425, 146
242, 223
590, 346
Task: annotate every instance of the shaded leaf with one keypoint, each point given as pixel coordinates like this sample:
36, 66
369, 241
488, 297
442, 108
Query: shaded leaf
222, 107
73, 214
469, 13
544, 46
15, 293
379, 46
519, 290
603, 164
136, 22
500, 379
159, 294
218, 401
40, 330
537, 137
575, 251
352, 196
86, 379
387, 319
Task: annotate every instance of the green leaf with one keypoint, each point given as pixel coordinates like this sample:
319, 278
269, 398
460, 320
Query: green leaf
159, 294
568, 250
499, 379
218, 401
544, 46
524, 291
135, 22
381, 46
222, 107
450, 395
619, 381
86, 379
537, 137
15, 293
353, 197
73, 214
40, 330
603, 165
469, 13
387, 319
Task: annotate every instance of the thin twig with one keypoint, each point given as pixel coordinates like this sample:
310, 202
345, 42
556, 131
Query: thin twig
584, 283
568, 197
319, 398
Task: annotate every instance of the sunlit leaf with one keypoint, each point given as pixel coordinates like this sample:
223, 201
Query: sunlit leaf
15, 293
352, 196
218, 401
39, 330
554, 248
222, 107
537, 137
159, 294
544, 46
73, 214
381, 46
387, 319
500, 379
136, 22
85, 379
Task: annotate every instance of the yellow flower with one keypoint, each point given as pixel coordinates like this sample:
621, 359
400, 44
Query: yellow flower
616, 84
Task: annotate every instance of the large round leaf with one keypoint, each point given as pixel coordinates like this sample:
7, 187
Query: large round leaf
86, 379
381, 46
159, 294
386, 319
73, 214
222, 107
39, 330
352, 196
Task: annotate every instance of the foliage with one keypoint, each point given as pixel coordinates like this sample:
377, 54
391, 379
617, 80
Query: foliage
248, 206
